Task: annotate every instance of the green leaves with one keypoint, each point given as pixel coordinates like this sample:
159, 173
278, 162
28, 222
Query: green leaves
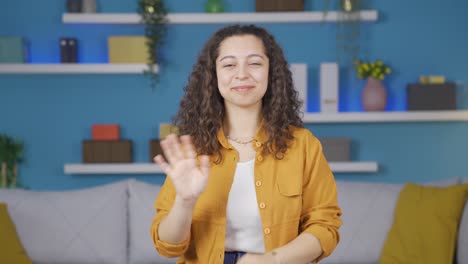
153, 14
11, 153
11, 150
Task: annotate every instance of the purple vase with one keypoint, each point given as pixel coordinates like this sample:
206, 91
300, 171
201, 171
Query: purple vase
374, 95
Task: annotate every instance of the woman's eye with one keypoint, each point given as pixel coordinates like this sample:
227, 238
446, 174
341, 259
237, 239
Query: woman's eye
228, 65
255, 63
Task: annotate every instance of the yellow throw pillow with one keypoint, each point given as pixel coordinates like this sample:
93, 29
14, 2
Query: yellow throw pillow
11, 250
425, 226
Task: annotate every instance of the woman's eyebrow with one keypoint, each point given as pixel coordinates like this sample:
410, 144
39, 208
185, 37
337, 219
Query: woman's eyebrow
249, 56
227, 57
256, 55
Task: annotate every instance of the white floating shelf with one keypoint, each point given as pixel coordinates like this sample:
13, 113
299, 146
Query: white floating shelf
205, 18
354, 166
112, 168
409, 116
69, 68
148, 168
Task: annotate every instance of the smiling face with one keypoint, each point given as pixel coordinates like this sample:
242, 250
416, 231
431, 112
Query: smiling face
242, 71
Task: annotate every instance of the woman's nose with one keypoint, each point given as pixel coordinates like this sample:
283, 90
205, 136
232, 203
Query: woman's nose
242, 72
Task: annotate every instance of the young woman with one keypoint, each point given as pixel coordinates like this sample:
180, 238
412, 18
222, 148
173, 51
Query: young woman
246, 182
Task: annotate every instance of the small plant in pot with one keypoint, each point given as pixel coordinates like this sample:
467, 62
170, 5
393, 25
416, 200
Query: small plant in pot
374, 94
11, 154
154, 16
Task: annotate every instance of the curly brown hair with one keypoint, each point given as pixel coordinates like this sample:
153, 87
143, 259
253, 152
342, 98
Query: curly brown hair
201, 113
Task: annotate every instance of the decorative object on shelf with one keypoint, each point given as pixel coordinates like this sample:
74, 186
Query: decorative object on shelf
431, 79
11, 154
164, 130
299, 77
336, 149
88, 6
68, 50
128, 49
107, 151
374, 94
438, 96
279, 5
329, 87
214, 6
73, 6
154, 15
167, 128
349, 5
155, 149
13, 50
106, 146
105, 132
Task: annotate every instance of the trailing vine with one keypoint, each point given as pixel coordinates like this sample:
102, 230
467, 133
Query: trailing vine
154, 16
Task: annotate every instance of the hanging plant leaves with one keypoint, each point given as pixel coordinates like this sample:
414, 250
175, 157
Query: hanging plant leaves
154, 16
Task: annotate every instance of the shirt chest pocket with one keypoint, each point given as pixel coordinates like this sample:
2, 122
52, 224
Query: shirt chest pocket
289, 196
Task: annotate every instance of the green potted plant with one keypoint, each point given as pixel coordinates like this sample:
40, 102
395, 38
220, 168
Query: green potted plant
154, 16
11, 154
374, 94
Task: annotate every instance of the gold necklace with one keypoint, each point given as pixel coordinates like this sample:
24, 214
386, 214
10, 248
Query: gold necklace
239, 141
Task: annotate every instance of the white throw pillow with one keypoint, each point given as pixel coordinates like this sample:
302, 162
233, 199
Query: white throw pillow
367, 217
462, 246
141, 212
75, 226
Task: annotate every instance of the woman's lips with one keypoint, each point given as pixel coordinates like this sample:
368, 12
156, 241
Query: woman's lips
243, 88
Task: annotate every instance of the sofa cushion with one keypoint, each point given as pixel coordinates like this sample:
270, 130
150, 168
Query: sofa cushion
76, 226
462, 253
367, 217
141, 212
424, 215
11, 250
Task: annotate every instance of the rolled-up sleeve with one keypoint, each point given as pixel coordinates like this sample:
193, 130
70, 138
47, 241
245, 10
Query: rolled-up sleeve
163, 204
321, 215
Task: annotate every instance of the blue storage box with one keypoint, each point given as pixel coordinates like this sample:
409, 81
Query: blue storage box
13, 50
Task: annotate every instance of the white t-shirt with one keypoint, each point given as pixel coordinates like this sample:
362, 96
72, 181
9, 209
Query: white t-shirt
244, 230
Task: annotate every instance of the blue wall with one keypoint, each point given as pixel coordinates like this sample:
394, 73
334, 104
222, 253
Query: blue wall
54, 113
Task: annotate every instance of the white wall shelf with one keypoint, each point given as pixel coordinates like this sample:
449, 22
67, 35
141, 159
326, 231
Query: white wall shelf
380, 117
204, 18
112, 168
354, 166
149, 168
69, 68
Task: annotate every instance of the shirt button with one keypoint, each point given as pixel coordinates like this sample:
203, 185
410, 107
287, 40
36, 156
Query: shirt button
259, 158
262, 205
258, 144
266, 231
258, 183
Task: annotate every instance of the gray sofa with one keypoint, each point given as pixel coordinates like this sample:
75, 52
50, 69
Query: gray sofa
109, 224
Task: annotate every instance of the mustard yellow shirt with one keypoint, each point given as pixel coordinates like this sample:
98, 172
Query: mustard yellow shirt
296, 194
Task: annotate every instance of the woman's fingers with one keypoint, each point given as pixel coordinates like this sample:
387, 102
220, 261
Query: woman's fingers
187, 147
167, 150
163, 164
183, 152
175, 147
205, 165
